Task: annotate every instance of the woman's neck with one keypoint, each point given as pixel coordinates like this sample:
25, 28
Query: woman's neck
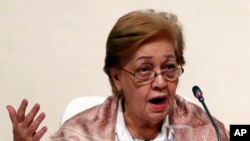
141, 129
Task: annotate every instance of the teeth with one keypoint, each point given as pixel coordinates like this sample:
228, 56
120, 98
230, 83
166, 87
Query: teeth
157, 100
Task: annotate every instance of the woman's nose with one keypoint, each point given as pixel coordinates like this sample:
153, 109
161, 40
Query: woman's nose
159, 82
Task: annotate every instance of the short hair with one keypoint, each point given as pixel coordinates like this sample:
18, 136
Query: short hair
134, 29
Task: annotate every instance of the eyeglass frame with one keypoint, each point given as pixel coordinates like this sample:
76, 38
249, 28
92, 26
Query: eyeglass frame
155, 74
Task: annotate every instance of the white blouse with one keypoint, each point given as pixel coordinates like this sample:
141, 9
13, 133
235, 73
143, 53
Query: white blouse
122, 133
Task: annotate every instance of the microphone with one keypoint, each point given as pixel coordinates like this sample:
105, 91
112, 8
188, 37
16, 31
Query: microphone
199, 95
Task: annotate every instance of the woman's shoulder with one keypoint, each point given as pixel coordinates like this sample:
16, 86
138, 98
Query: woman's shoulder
103, 109
186, 112
95, 122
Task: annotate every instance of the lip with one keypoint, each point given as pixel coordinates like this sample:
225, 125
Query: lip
160, 105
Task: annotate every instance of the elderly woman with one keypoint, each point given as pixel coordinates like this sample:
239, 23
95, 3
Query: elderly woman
144, 60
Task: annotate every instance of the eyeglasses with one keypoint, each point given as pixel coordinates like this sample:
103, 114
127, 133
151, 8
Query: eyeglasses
170, 74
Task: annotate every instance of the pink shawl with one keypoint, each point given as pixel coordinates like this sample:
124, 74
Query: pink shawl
98, 123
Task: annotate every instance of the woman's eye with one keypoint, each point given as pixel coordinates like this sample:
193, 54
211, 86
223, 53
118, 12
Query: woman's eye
144, 69
170, 67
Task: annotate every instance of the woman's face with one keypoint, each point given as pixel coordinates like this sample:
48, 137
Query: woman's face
153, 100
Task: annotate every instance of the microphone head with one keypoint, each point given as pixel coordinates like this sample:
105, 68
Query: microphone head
198, 93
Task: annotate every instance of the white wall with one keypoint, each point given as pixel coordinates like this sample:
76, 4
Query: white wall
53, 51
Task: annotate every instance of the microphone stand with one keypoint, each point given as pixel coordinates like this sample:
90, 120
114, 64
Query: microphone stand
198, 94
212, 121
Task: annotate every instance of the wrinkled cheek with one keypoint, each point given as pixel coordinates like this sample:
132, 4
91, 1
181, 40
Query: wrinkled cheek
170, 103
172, 90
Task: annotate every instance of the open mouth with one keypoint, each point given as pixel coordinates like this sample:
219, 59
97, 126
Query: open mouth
158, 100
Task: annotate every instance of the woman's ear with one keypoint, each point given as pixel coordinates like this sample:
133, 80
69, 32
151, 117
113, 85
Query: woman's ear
115, 76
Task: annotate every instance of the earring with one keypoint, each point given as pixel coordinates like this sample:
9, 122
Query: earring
120, 94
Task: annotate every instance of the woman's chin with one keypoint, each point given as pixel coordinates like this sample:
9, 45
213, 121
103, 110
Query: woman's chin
158, 117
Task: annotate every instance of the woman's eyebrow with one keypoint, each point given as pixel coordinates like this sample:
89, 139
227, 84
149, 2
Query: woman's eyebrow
144, 57
170, 56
